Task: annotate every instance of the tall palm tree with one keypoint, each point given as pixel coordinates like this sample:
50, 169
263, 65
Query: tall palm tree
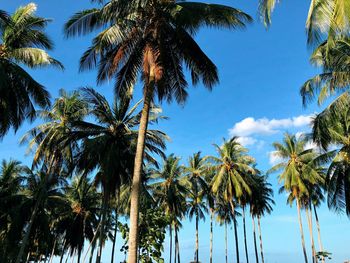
151, 38
11, 178
113, 138
195, 170
43, 191
297, 172
260, 204
224, 217
232, 166
23, 42
170, 191
79, 222
211, 203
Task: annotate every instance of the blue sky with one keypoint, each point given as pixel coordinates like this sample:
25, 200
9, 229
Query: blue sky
258, 98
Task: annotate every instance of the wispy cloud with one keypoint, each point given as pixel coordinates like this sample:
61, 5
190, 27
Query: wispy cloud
248, 128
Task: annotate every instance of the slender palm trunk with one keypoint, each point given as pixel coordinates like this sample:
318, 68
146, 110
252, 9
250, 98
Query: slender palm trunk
53, 250
301, 231
211, 235
136, 180
102, 229
62, 254
309, 222
27, 234
261, 242
79, 255
92, 252
319, 233
177, 245
114, 235
235, 230
245, 235
226, 258
197, 240
171, 242
255, 245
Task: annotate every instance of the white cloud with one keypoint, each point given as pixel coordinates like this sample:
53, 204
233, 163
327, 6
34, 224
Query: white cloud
274, 158
264, 126
246, 141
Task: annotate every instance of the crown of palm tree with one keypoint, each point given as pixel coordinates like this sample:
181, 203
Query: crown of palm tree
22, 42
153, 37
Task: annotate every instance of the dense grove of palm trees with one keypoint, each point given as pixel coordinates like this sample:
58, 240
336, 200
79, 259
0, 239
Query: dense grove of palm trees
100, 168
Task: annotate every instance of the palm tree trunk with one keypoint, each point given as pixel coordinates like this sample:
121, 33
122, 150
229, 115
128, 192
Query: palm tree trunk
177, 245
245, 235
102, 229
309, 222
63, 247
171, 242
255, 245
92, 252
53, 250
27, 234
235, 230
197, 239
301, 231
79, 255
261, 242
115, 235
136, 179
226, 243
319, 233
211, 235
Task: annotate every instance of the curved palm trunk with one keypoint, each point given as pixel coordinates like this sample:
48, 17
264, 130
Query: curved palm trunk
177, 245
171, 242
235, 230
79, 255
27, 234
102, 229
136, 179
255, 245
319, 233
197, 240
309, 222
301, 231
261, 242
245, 235
114, 235
211, 235
226, 258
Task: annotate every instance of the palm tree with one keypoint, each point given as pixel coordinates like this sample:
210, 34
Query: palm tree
224, 217
331, 128
260, 203
335, 76
23, 42
11, 178
170, 193
298, 171
52, 137
211, 203
232, 166
42, 191
113, 138
326, 18
151, 38
196, 177
81, 219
